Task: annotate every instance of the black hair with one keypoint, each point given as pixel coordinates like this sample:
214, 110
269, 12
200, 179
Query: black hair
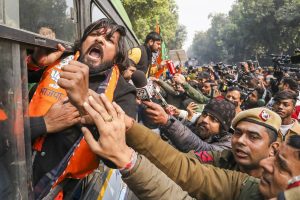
105, 23
127, 62
131, 63
234, 88
293, 85
45, 25
294, 141
154, 36
286, 94
260, 92
194, 70
272, 135
249, 62
210, 81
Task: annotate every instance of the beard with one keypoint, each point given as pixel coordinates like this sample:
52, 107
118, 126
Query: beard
201, 131
251, 104
96, 69
153, 50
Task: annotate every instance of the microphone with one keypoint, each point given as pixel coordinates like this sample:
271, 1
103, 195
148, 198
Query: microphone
140, 82
163, 101
146, 91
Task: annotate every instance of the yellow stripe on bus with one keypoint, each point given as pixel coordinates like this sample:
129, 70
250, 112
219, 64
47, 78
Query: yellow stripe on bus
103, 189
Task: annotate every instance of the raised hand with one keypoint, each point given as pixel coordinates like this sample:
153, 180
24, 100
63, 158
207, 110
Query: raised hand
191, 109
110, 121
156, 113
74, 78
44, 58
172, 110
179, 78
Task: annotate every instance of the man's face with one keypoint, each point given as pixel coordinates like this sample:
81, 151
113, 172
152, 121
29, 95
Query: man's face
154, 45
207, 126
250, 144
245, 67
284, 108
128, 72
47, 32
98, 50
283, 86
278, 170
253, 98
201, 82
234, 96
206, 88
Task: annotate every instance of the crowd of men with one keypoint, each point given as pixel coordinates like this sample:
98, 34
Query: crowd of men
212, 132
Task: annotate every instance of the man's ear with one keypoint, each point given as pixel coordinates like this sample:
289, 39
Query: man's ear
273, 148
294, 110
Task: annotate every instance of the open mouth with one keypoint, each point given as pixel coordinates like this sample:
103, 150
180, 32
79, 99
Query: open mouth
95, 52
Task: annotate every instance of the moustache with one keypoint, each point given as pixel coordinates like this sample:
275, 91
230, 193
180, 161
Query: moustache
95, 47
202, 124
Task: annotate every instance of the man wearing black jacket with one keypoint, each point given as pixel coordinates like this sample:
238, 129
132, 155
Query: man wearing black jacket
142, 55
210, 132
101, 47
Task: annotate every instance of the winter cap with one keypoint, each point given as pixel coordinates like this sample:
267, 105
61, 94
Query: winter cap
223, 110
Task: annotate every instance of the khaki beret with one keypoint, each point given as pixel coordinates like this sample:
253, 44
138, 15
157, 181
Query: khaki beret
262, 116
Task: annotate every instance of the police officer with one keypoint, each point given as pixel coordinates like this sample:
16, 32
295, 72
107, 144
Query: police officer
200, 181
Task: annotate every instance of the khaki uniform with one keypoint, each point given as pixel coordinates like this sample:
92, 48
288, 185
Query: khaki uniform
222, 159
292, 194
295, 130
199, 180
150, 183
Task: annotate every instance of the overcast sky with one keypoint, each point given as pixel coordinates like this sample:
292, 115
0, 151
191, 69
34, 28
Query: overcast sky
194, 14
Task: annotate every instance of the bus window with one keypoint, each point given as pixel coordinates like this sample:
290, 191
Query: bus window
54, 18
8, 14
96, 13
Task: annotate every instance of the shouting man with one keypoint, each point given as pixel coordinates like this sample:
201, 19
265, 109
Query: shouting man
102, 51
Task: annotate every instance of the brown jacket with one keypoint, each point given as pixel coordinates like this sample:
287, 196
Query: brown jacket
295, 130
292, 194
199, 180
149, 183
